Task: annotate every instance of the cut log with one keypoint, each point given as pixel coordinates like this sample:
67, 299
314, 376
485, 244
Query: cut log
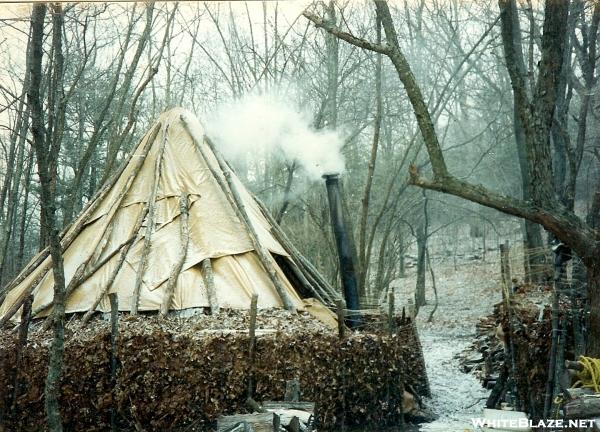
583, 407
309, 407
184, 239
260, 422
577, 392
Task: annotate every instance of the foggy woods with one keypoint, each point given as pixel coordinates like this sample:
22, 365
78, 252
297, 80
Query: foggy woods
466, 139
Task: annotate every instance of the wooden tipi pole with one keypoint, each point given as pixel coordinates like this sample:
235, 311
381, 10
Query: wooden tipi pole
80, 224
184, 238
149, 225
304, 265
237, 204
123, 254
71, 232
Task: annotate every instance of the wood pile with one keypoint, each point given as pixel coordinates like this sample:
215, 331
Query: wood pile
485, 356
526, 375
188, 372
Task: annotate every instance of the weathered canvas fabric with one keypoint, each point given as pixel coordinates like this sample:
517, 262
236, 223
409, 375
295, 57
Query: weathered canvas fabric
214, 232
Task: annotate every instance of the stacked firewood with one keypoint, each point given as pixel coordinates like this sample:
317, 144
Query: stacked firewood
485, 356
519, 378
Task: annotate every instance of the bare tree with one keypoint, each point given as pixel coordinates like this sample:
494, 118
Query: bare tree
536, 114
43, 148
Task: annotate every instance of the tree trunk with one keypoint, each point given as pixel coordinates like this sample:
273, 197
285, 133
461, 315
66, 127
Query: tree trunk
593, 279
421, 247
13, 201
533, 260
20, 259
401, 260
48, 204
532, 234
286, 192
363, 258
332, 45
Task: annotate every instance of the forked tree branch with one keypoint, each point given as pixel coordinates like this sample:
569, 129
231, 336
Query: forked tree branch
345, 36
563, 223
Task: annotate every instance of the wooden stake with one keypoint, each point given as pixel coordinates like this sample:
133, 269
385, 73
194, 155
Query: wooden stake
236, 202
252, 335
341, 317
209, 283
22, 342
505, 269
391, 313
294, 425
114, 334
254, 406
506, 295
141, 270
284, 241
184, 238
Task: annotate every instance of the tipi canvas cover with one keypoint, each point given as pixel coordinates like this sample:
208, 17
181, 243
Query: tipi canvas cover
174, 229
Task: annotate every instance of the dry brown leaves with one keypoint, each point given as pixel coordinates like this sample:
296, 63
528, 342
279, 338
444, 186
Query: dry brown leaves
175, 372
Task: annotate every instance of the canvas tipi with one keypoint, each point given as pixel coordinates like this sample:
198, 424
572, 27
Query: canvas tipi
173, 229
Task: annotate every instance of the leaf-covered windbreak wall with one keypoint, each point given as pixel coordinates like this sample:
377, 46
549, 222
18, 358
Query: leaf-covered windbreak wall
177, 372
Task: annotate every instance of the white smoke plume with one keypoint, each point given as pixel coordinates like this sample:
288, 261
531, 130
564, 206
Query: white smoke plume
261, 123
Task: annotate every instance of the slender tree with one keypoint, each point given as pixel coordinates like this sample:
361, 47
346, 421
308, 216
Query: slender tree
48, 202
